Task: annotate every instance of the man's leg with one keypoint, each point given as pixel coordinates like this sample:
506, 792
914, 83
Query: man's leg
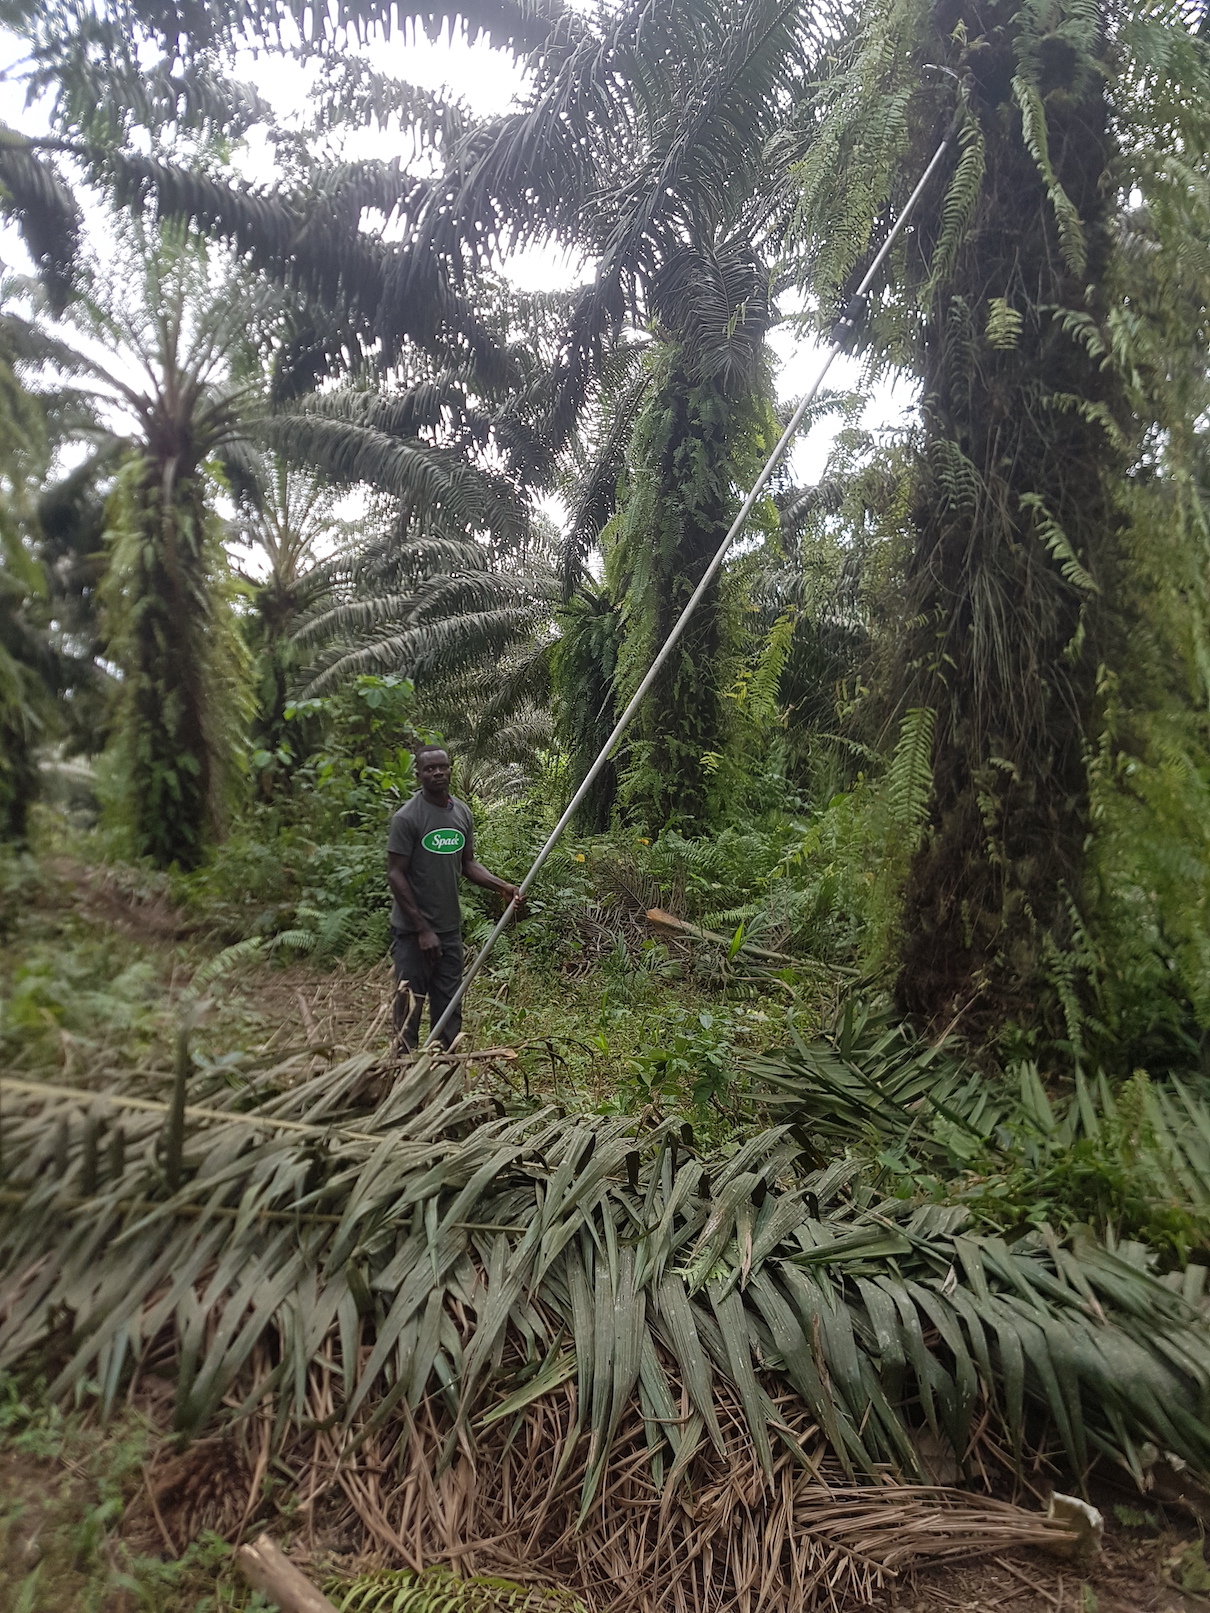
411, 986
447, 977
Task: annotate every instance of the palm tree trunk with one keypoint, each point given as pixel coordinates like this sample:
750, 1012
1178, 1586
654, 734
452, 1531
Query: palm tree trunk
689, 446
1011, 584
171, 787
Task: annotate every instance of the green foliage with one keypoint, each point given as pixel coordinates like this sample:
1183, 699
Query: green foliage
20, 883
363, 770
583, 670
180, 704
1132, 1162
273, 884
61, 1549
686, 1065
77, 990
283, 514
909, 778
304, 873
1040, 391
438, 1590
28, 664
1151, 946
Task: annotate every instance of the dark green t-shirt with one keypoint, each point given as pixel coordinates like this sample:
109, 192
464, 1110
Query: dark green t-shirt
433, 839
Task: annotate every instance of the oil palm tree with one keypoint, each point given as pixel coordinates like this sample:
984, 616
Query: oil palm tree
642, 143
286, 517
27, 661
163, 362
1035, 315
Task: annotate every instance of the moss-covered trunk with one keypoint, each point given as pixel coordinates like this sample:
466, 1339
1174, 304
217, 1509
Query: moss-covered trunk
1011, 584
172, 640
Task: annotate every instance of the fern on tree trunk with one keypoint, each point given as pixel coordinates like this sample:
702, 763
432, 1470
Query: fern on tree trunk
171, 758
999, 300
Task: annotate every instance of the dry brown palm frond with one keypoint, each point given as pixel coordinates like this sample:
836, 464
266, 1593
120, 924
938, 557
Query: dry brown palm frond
731, 1537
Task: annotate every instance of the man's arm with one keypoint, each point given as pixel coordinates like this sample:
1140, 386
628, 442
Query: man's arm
401, 889
477, 874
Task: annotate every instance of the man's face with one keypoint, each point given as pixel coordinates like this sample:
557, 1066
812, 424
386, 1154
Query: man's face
435, 771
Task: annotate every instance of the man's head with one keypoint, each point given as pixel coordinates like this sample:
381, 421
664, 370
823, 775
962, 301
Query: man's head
433, 770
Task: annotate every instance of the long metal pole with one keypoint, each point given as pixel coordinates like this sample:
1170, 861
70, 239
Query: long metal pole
842, 332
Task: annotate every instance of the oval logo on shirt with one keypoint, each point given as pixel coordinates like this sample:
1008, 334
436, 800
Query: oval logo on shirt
445, 842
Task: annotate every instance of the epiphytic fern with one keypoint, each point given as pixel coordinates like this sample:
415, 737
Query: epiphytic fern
957, 477
960, 201
909, 781
1004, 323
1057, 541
1033, 127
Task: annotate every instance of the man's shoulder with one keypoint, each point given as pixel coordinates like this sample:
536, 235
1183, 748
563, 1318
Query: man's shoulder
407, 812
461, 805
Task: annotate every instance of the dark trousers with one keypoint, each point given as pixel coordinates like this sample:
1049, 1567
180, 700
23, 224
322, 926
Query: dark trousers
416, 978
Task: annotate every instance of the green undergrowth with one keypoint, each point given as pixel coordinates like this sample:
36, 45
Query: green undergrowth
604, 1017
80, 995
66, 1486
1129, 1159
625, 1038
601, 1016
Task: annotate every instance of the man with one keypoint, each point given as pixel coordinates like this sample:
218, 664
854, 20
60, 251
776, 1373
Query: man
431, 843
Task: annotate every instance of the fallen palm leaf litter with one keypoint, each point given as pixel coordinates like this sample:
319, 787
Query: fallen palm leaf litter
575, 1351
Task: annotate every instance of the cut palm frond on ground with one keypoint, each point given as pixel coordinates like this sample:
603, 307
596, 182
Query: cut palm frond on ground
1134, 1157
570, 1349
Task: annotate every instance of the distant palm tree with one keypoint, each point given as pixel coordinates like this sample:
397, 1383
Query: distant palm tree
288, 518
163, 358
27, 659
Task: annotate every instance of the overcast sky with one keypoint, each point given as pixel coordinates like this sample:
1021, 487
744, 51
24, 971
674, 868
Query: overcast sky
488, 81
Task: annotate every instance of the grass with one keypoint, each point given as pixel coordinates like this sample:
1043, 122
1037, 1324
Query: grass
66, 1485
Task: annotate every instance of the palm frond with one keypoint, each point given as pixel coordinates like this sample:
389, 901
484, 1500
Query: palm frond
1142, 1150
48, 215
516, 25
434, 481
437, 1590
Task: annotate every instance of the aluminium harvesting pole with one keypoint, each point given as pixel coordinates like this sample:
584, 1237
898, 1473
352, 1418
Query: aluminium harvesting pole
842, 333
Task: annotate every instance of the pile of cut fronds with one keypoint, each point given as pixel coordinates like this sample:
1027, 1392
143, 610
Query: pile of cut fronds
574, 1350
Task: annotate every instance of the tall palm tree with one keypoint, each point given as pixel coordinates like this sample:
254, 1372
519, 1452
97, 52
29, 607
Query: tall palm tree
160, 359
286, 517
1042, 327
642, 142
27, 661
